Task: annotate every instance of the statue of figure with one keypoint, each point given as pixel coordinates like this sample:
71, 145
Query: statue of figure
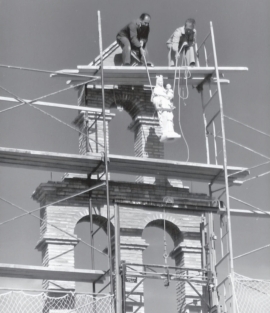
161, 99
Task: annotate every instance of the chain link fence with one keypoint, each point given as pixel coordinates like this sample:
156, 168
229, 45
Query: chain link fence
252, 295
21, 302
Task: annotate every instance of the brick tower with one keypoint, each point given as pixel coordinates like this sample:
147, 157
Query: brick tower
141, 204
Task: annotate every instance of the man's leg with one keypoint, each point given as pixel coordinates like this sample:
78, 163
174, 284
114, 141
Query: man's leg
171, 55
125, 45
190, 56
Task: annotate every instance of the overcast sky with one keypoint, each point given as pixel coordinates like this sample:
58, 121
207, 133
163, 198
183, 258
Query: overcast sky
61, 34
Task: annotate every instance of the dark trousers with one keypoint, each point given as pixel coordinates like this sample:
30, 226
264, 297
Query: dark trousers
126, 46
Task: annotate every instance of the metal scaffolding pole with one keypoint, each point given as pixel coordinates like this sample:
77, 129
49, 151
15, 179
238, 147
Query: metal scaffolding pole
224, 161
105, 154
90, 209
205, 129
118, 281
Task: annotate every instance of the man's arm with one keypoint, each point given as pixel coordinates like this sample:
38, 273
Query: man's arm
195, 35
144, 37
134, 35
176, 38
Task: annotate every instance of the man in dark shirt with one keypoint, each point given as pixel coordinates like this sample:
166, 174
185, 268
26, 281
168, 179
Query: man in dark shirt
134, 37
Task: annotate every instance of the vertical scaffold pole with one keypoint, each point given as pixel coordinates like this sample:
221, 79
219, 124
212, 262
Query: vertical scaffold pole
205, 129
90, 209
105, 154
214, 126
118, 282
224, 161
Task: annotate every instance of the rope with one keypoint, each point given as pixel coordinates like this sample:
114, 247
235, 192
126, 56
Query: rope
250, 168
242, 146
145, 63
48, 114
179, 104
45, 206
250, 205
165, 254
259, 131
42, 220
257, 176
241, 255
43, 71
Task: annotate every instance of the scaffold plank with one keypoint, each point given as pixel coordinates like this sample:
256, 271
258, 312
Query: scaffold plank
83, 164
130, 75
49, 273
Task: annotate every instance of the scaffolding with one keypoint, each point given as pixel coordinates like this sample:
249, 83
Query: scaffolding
221, 294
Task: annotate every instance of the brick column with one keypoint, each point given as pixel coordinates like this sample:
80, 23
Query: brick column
131, 251
91, 123
147, 134
188, 254
57, 247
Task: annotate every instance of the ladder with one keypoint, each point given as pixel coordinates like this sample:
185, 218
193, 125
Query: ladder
221, 295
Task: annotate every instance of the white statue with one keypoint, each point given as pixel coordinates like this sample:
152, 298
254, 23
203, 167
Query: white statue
161, 99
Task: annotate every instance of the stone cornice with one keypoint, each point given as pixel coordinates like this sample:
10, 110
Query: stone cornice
123, 193
80, 119
46, 240
176, 252
143, 120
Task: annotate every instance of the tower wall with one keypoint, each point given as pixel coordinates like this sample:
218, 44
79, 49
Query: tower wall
140, 203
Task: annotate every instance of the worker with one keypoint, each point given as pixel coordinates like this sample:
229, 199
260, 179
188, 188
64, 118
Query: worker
182, 41
133, 37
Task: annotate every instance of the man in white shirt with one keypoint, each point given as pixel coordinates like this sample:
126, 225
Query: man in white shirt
183, 41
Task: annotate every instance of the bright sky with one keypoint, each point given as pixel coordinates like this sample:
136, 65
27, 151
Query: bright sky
54, 35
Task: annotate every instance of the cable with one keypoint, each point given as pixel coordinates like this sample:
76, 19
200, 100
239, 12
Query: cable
43, 220
242, 146
250, 205
240, 256
45, 206
257, 176
259, 131
61, 254
250, 168
43, 97
46, 113
43, 71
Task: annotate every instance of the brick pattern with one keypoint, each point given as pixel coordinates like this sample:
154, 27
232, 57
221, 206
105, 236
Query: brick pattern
91, 123
134, 192
134, 100
184, 228
188, 254
131, 251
